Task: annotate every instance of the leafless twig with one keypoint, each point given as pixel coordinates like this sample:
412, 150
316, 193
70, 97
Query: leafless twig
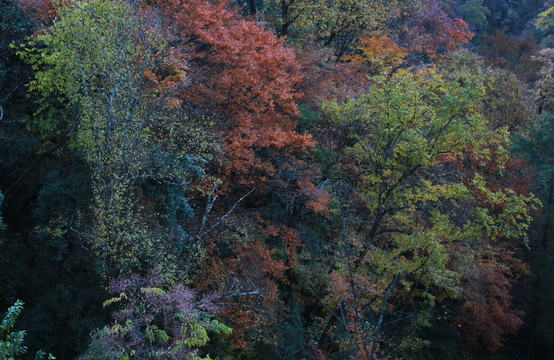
209, 205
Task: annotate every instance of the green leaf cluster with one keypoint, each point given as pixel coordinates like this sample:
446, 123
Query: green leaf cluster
125, 125
11, 343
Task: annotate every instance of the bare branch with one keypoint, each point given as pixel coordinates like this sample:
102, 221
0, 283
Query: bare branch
211, 200
209, 205
388, 293
242, 305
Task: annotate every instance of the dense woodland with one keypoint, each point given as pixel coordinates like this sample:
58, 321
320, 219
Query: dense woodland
277, 179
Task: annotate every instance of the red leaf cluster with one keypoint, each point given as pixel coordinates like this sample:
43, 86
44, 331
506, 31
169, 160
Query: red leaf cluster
488, 314
247, 277
435, 34
246, 77
41, 11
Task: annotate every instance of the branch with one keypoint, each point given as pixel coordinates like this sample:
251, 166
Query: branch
230, 294
211, 200
351, 279
242, 305
382, 314
209, 205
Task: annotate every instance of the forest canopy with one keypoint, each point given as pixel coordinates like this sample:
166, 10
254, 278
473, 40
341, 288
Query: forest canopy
276, 179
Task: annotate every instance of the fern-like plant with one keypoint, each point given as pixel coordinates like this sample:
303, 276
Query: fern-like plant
11, 343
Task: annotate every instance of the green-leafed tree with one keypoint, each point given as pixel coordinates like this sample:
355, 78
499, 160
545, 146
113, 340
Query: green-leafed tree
545, 21
111, 67
506, 101
413, 228
11, 343
475, 13
331, 23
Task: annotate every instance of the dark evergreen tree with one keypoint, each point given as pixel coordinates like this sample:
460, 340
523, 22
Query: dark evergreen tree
538, 149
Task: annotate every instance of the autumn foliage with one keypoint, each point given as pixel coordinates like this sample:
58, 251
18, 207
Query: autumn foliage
247, 81
42, 11
436, 34
379, 54
488, 314
247, 274
280, 179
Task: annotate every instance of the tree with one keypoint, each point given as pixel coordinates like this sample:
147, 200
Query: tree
487, 313
247, 83
402, 235
11, 343
512, 53
290, 18
340, 21
434, 34
506, 101
537, 148
154, 322
543, 93
334, 24
104, 59
545, 20
379, 55
475, 13
41, 12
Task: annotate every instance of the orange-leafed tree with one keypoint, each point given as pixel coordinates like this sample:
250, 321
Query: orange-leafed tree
247, 270
378, 54
245, 78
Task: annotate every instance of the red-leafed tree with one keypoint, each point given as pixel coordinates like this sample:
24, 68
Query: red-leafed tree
433, 33
326, 80
488, 312
41, 11
246, 272
246, 78
512, 53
